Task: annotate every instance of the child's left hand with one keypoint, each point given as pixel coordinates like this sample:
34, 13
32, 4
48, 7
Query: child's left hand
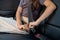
32, 24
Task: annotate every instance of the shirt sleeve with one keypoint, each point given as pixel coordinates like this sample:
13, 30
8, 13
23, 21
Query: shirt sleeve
21, 3
41, 2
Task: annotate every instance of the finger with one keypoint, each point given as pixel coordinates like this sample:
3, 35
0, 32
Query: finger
22, 27
31, 26
26, 26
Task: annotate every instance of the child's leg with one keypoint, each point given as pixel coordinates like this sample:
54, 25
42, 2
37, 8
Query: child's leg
25, 19
9, 25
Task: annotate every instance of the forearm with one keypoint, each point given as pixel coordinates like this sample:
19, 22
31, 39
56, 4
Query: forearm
46, 13
18, 19
18, 16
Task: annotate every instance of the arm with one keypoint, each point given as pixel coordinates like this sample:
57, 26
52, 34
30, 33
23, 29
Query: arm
50, 8
18, 16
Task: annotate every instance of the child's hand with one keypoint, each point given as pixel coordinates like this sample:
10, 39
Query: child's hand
32, 24
24, 27
21, 27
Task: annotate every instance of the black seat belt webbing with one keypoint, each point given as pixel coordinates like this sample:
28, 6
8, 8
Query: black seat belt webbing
30, 17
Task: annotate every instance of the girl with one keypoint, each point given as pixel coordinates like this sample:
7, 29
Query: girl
22, 12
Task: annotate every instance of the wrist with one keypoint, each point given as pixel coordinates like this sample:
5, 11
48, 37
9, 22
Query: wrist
37, 22
19, 25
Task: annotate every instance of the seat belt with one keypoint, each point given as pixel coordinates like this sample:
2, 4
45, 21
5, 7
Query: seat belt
30, 17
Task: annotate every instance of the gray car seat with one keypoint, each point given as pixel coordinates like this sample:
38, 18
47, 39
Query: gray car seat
8, 7
52, 28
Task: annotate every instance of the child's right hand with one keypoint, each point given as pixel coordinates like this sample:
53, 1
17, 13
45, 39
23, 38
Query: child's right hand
24, 27
21, 27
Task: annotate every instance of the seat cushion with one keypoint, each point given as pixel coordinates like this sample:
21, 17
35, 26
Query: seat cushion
8, 7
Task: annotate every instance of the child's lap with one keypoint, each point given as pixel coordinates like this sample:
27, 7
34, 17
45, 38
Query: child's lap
9, 25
